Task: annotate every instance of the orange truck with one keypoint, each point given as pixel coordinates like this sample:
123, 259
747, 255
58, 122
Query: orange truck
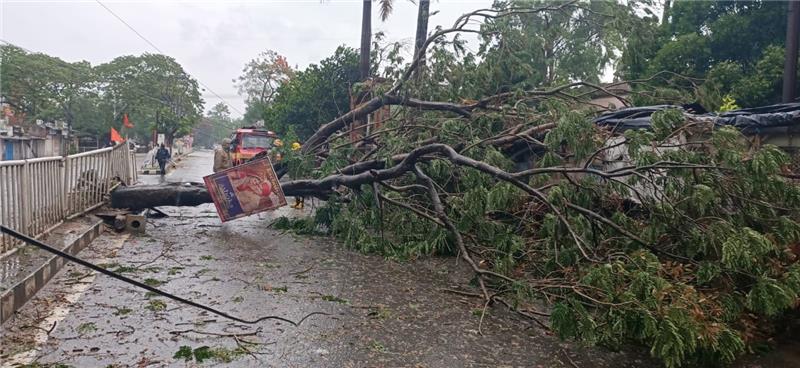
248, 142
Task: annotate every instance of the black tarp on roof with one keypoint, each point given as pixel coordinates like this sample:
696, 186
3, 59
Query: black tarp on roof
751, 120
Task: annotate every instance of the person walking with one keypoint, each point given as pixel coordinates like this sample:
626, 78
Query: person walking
163, 156
222, 156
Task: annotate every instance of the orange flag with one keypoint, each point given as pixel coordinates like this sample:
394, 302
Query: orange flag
127, 123
115, 137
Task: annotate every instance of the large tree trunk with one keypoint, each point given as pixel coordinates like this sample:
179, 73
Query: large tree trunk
147, 196
366, 39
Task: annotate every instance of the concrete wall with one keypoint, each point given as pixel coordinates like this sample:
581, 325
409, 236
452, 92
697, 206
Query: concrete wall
25, 148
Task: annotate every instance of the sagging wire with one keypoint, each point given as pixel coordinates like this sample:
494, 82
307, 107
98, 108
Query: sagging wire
133, 282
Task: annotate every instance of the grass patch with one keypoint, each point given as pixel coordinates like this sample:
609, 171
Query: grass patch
174, 271
207, 258
237, 299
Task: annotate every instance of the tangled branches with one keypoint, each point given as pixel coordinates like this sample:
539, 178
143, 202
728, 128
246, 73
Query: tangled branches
682, 237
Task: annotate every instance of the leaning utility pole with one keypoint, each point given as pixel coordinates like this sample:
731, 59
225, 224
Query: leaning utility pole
790, 67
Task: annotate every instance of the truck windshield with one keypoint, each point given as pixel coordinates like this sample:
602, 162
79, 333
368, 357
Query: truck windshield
256, 141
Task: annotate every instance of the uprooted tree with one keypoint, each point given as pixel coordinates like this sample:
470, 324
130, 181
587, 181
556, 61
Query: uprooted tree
682, 237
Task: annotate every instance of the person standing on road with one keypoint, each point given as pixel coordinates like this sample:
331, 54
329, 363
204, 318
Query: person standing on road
299, 201
163, 156
222, 156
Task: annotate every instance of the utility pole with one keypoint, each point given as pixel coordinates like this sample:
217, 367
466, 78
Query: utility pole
790, 66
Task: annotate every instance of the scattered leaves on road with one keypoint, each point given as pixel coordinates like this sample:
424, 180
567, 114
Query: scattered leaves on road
204, 353
122, 311
380, 312
279, 289
86, 328
125, 269
377, 346
331, 298
156, 305
152, 282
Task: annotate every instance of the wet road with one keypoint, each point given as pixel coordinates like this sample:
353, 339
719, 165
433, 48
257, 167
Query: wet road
379, 313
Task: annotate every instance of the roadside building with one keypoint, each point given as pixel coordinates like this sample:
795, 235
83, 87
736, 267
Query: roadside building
40, 139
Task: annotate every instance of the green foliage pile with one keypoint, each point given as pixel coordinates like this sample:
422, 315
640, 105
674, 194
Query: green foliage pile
692, 254
683, 240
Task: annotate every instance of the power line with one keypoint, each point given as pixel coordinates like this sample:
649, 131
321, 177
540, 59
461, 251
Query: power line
139, 284
162, 52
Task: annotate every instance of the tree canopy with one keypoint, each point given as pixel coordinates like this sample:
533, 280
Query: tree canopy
736, 47
314, 95
214, 126
152, 89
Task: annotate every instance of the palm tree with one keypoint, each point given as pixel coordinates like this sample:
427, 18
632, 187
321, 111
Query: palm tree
366, 39
422, 28
366, 32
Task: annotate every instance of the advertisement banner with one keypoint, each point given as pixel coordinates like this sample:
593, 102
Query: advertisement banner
246, 189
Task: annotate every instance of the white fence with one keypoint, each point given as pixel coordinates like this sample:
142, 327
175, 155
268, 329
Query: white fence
38, 194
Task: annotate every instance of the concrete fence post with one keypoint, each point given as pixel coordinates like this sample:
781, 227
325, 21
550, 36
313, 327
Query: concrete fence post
65, 205
25, 198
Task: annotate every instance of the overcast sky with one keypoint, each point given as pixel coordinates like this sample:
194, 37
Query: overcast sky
211, 39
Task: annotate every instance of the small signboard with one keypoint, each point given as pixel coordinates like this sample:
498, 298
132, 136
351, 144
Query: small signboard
246, 189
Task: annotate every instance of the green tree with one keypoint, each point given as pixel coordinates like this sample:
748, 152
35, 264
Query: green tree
214, 126
262, 76
154, 89
43, 87
713, 39
315, 95
527, 50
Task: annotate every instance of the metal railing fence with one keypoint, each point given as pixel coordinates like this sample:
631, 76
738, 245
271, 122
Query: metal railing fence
38, 194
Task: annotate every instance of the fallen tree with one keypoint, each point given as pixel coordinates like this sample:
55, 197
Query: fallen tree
681, 237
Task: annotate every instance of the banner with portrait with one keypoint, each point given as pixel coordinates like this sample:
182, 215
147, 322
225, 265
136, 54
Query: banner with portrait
245, 189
